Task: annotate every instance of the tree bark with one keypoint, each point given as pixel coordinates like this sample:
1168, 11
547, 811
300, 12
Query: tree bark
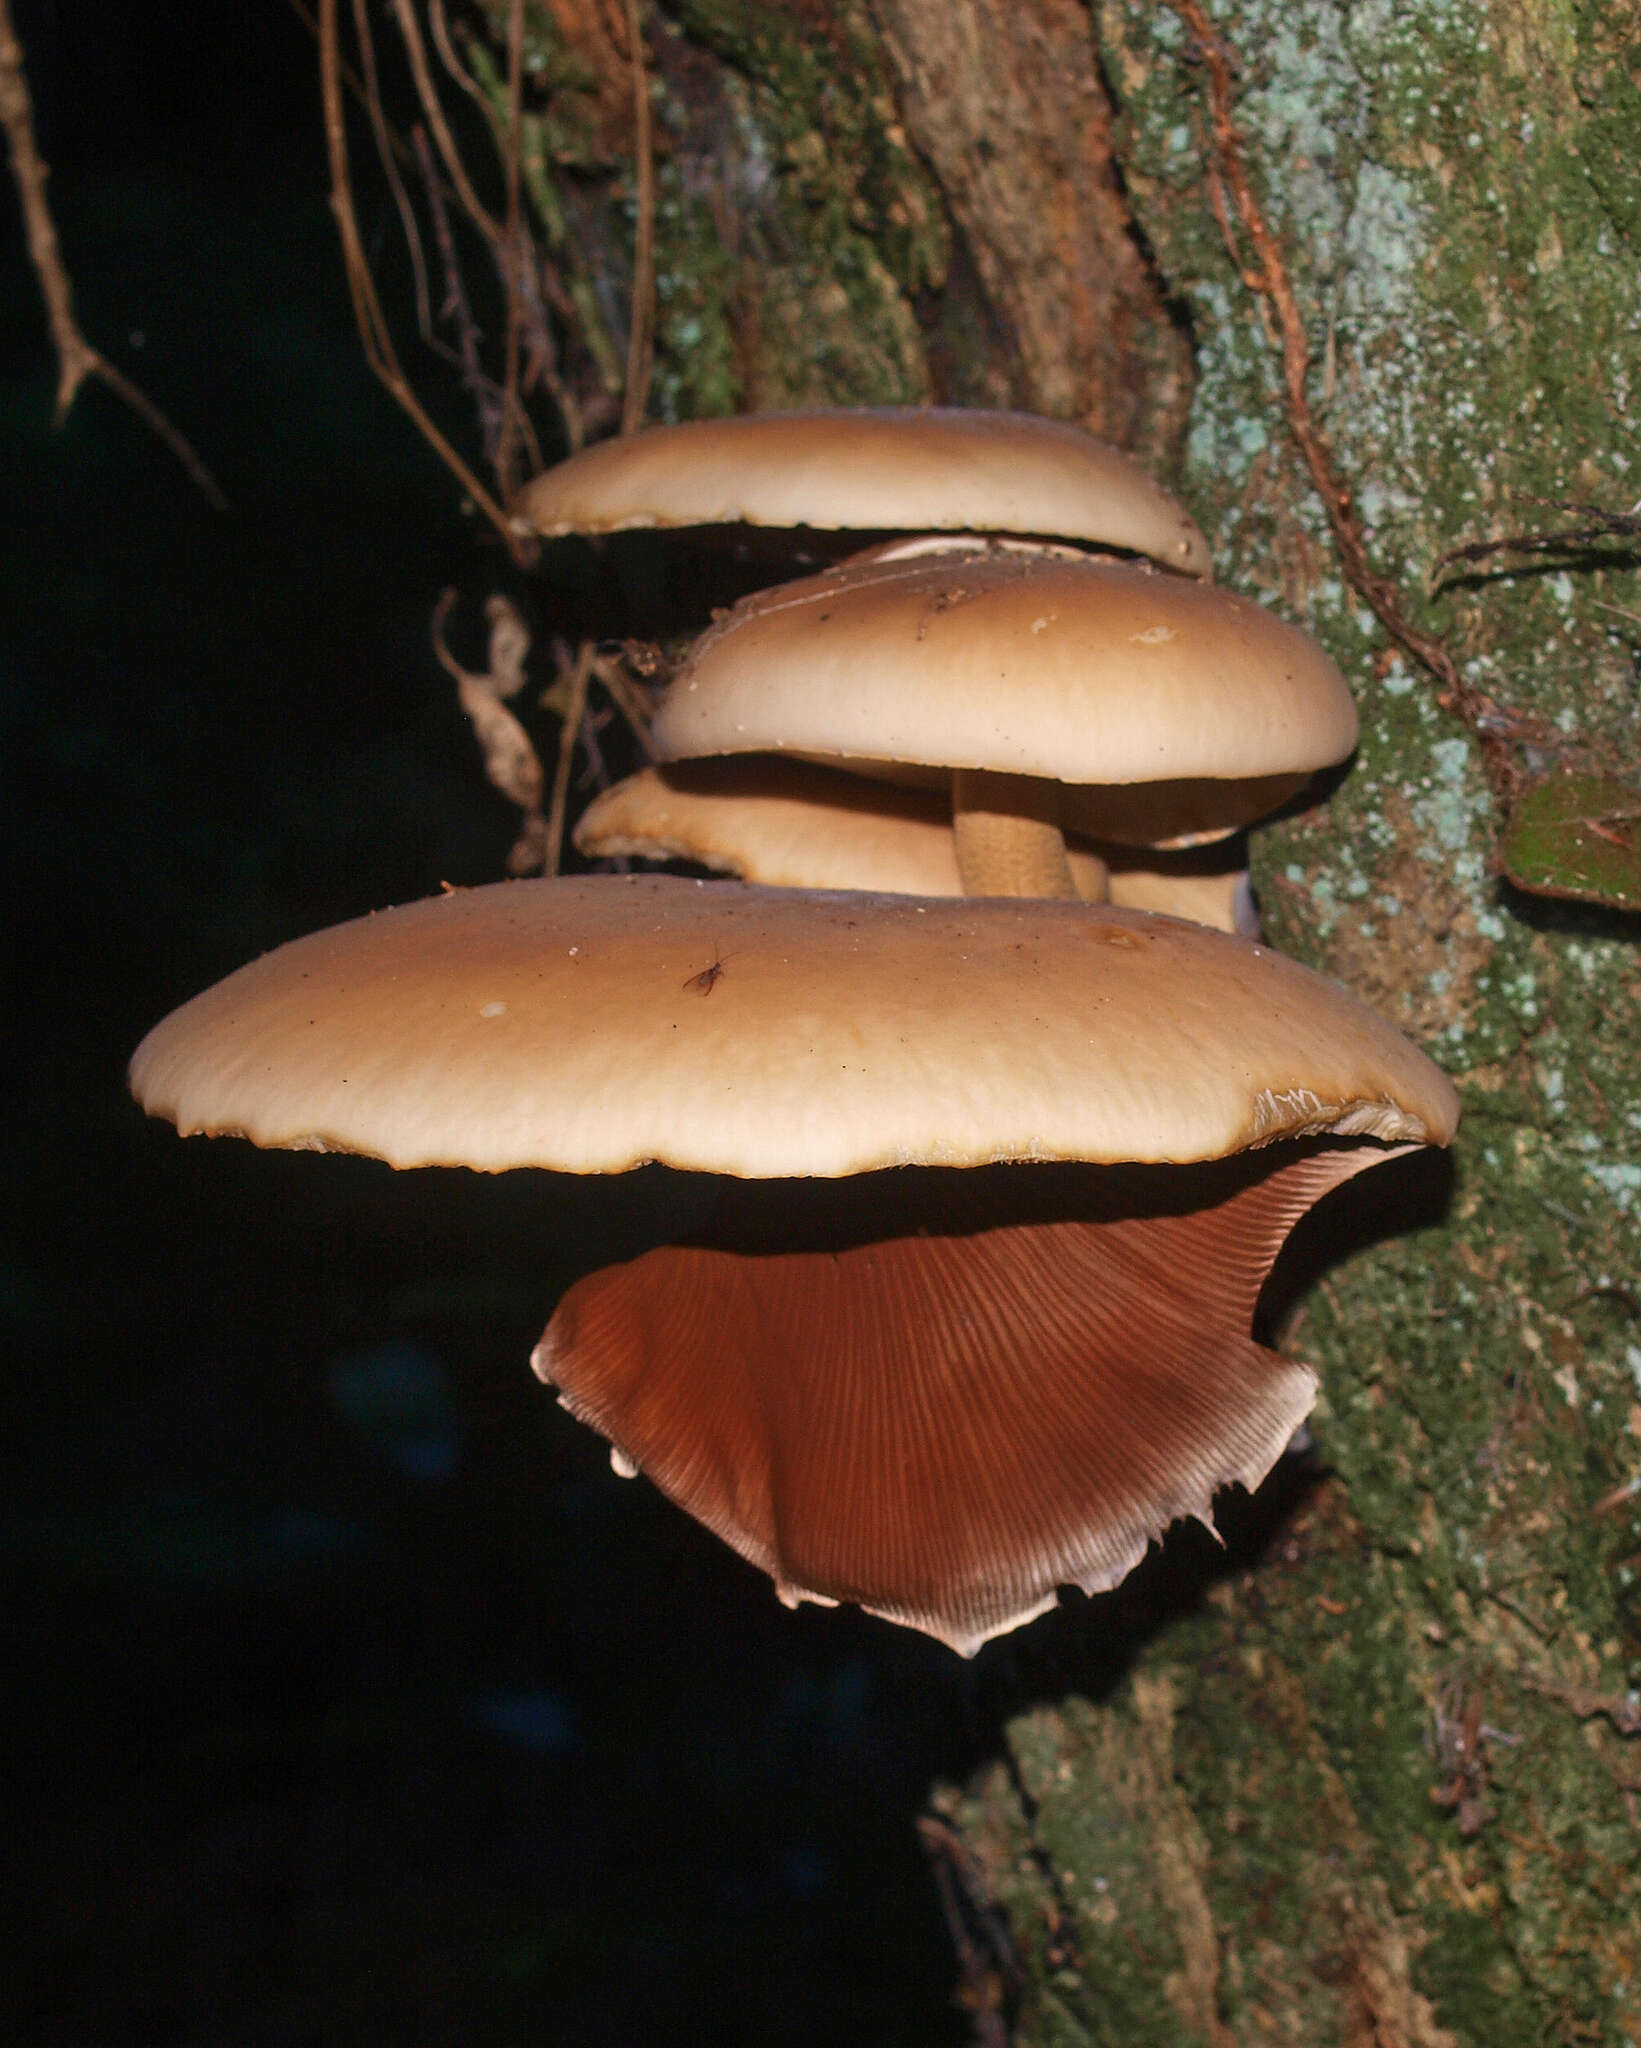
1379, 1784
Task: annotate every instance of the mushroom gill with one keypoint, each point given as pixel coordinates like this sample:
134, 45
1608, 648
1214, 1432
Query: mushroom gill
941, 1395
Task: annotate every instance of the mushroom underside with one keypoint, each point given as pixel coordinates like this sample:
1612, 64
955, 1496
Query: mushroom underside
795, 824
943, 1395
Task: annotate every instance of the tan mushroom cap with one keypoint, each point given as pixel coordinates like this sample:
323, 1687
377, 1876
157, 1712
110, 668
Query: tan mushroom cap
788, 824
592, 1024
890, 468
798, 825
1015, 662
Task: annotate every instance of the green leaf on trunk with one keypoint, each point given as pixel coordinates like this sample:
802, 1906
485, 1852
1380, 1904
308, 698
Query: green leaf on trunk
1577, 836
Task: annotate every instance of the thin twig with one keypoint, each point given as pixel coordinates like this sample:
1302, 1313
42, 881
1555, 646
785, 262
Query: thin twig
540, 356
454, 307
509, 434
1586, 1702
1231, 192
574, 710
356, 85
529, 357
596, 773
385, 150
350, 78
448, 58
427, 92
488, 396
77, 360
990, 1971
514, 255
1607, 526
368, 97
524, 270
640, 338
627, 698
367, 308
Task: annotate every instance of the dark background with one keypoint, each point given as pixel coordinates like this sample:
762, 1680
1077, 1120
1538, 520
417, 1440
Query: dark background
351, 1698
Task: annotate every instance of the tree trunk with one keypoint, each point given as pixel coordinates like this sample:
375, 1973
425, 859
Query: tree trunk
1380, 1785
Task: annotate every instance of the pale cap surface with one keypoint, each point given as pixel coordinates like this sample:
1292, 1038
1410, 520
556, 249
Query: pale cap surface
592, 1024
1219, 896
1085, 672
890, 468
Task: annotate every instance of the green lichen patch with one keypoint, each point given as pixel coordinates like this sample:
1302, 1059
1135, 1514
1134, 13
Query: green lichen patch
1111, 1833
1342, 1808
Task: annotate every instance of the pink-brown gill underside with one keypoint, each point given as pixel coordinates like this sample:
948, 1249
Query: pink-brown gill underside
941, 1395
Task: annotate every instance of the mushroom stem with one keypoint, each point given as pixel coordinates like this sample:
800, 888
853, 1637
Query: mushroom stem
1009, 841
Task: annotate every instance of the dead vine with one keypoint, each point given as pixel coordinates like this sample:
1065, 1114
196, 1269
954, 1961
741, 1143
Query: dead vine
368, 316
551, 340
523, 233
574, 676
511, 762
77, 360
510, 758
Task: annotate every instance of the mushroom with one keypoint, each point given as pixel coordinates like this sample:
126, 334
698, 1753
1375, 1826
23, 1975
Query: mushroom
797, 824
1055, 690
938, 1394
889, 469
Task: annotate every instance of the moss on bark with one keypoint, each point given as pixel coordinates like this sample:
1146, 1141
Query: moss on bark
858, 202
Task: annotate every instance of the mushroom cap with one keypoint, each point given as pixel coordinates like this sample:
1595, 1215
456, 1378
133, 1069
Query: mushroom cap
1221, 896
593, 1024
1022, 662
886, 468
798, 825
789, 824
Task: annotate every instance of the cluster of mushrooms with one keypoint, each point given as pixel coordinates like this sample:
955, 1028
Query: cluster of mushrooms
1013, 1109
